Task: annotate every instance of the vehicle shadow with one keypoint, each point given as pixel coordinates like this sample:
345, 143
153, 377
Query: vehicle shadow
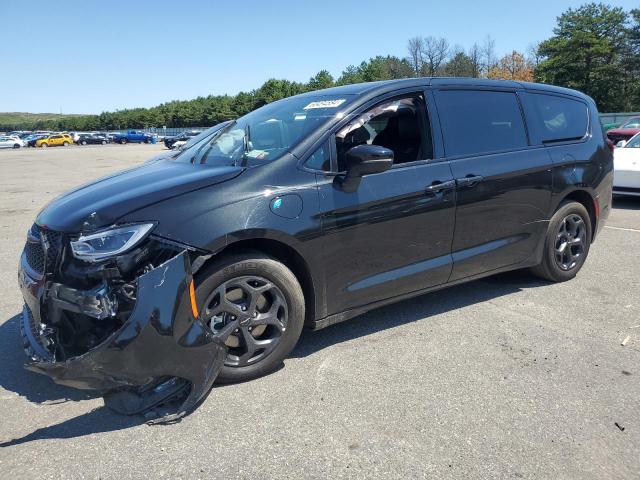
98, 420
418, 308
626, 203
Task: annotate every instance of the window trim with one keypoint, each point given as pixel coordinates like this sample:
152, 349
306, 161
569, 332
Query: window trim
532, 114
562, 141
329, 135
515, 93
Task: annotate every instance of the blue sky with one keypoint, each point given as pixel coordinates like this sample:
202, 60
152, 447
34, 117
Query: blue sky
91, 56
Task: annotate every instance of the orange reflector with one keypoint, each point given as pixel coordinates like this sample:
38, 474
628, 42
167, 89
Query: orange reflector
192, 294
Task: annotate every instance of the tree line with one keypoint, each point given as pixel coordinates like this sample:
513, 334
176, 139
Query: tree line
594, 48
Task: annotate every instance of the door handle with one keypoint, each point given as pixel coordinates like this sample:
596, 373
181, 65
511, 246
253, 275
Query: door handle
469, 180
439, 186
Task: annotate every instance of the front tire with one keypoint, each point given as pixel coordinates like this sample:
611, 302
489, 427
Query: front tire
45, 145
65, 144
256, 306
123, 141
566, 244
16, 145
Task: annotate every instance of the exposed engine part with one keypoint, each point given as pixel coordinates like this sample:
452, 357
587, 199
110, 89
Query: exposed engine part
97, 302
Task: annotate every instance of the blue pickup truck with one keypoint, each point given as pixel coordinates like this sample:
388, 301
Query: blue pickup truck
131, 136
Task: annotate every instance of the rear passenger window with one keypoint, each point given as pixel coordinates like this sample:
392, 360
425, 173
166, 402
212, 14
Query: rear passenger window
477, 121
561, 118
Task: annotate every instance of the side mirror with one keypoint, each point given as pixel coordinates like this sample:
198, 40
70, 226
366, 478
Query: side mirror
621, 143
364, 160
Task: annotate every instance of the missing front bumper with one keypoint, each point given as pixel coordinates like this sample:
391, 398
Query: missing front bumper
161, 339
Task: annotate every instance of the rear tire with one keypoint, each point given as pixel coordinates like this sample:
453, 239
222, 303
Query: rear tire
65, 144
123, 141
16, 145
280, 287
567, 243
44, 145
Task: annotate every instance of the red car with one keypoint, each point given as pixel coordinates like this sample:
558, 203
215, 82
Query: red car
625, 131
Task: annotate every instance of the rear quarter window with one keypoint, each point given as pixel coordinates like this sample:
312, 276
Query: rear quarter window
477, 121
560, 119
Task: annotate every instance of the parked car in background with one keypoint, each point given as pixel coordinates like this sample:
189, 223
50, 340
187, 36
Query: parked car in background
60, 139
626, 163
625, 131
610, 126
131, 136
30, 141
197, 140
18, 133
183, 137
7, 141
91, 139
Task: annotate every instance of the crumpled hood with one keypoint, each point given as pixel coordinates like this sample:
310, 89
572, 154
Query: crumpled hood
101, 203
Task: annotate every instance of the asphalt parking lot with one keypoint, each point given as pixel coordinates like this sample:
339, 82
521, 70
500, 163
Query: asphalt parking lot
507, 377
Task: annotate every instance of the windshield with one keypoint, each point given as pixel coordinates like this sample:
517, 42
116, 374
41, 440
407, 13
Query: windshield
632, 123
268, 132
633, 143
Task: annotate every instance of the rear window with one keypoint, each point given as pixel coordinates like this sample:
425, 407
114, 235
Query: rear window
476, 122
561, 118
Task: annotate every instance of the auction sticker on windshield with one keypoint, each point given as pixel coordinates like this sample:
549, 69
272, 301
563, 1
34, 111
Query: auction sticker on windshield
325, 104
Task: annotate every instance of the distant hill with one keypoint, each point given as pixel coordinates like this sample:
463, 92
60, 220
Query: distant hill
16, 118
38, 121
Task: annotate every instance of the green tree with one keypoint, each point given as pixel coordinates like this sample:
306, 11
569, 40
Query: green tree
461, 65
320, 80
587, 52
632, 63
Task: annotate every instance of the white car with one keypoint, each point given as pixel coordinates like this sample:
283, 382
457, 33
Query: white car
178, 145
626, 166
10, 142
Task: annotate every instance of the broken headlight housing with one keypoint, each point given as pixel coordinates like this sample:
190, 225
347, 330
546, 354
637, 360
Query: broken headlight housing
111, 242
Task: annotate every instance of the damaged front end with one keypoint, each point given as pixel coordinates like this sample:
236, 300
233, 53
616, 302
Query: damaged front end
126, 325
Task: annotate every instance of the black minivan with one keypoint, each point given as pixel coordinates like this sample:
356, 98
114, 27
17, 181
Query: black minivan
307, 211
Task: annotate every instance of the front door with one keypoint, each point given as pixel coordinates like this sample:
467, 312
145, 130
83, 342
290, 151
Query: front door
392, 235
503, 184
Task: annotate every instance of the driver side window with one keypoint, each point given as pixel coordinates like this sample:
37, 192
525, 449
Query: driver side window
400, 124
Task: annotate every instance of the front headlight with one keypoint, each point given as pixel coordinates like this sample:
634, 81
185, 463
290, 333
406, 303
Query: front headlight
109, 243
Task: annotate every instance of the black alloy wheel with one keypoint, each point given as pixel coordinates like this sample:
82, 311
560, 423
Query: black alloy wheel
571, 239
566, 244
249, 313
255, 305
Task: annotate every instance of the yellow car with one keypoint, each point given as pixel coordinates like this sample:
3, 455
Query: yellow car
55, 140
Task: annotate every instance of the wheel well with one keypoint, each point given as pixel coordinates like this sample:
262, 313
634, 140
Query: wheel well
586, 200
288, 257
